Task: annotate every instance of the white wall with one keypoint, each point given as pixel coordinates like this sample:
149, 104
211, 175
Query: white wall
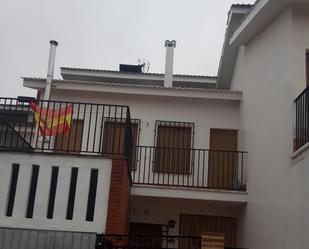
298, 207
161, 210
59, 221
270, 72
205, 114
300, 45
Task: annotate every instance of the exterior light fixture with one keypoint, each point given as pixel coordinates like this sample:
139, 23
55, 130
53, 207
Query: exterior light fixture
171, 223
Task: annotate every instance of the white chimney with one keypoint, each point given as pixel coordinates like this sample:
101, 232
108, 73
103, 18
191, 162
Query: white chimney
169, 61
50, 69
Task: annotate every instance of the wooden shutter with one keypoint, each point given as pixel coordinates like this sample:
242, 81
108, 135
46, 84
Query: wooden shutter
134, 127
222, 158
114, 138
73, 141
194, 225
172, 152
307, 68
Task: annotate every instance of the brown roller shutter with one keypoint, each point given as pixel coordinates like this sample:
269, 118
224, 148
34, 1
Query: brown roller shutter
173, 149
307, 68
222, 158
73, 141
194, 225
114, 138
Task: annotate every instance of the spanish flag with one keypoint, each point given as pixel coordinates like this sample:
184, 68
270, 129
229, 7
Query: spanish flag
52, 121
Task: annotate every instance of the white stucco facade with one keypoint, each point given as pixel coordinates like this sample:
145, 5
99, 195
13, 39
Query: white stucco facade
59, 221
205, 109
268, 74
156, 210
207, 114
270, 70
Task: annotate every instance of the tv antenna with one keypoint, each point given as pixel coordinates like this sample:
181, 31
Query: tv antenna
145, 65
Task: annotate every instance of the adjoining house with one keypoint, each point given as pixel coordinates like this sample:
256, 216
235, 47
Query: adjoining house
144, 160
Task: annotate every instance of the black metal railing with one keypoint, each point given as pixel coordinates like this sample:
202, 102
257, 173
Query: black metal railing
234, 248
301, 136
121, 241
117, 241
194, 168
65, 127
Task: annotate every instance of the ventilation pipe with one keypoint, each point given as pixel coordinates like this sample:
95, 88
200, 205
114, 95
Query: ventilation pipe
169, 61
50, 69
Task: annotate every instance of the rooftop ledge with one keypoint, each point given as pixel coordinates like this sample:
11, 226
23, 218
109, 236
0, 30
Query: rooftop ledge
260, 15
148, 90
298, 155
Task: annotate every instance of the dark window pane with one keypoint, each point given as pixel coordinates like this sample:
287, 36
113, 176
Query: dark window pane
92, 194
72, 192
52, 192
12, 191
32, 192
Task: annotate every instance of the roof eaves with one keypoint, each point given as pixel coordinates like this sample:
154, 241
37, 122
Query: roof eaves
238, 6
229, 53
260, 6
133, 85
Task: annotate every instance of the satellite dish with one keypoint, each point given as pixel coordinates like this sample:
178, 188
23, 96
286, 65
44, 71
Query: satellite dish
145, 64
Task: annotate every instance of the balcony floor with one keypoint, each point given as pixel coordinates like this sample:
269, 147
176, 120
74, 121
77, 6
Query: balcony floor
190, 193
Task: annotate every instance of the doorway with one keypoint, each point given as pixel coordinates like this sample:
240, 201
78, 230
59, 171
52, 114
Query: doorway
223, 158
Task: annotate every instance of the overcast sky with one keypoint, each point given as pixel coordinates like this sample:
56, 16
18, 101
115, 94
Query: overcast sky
100, 34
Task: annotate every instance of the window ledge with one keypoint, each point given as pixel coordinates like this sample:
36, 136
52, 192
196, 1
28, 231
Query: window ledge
298, 155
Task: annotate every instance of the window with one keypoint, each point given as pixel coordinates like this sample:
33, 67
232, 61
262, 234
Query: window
32, 191
92, 194
173, 147
307, 68
194, 225
52, 192
73, 141
12, 189
72, 192
114, 138
223, 156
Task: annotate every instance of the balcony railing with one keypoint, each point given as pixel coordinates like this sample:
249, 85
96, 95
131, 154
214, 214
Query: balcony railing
117, 241
65, 127
193, 168
301, 119
121, 241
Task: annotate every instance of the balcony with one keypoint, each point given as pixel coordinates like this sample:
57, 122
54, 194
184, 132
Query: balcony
301, 136
29, 125
189, 168
102, 130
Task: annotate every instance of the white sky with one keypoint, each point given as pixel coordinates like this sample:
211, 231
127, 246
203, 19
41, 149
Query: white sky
101, 34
